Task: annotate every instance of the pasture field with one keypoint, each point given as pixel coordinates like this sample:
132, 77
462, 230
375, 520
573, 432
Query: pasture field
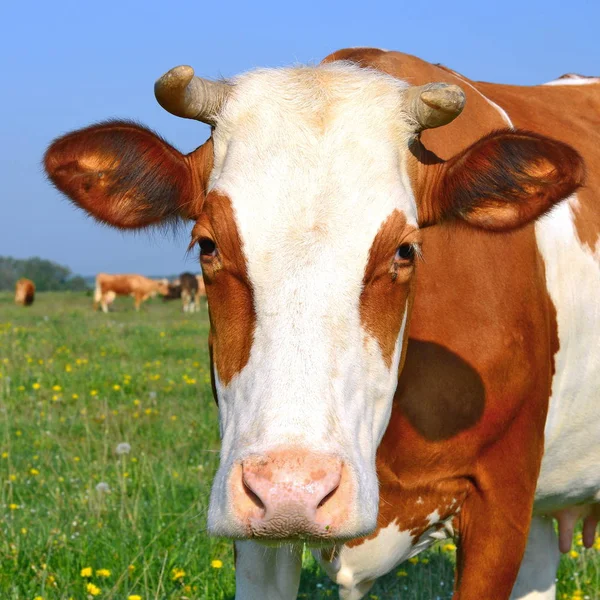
108, 445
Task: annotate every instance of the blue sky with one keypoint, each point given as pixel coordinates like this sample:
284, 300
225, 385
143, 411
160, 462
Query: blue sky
67, 64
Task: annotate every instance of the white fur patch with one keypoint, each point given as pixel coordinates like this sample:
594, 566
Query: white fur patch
313, 160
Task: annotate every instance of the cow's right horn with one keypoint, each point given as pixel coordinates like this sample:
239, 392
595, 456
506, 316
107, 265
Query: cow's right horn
183, 94
434, 104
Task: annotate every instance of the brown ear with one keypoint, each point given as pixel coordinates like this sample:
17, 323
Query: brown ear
127, 176
506, 180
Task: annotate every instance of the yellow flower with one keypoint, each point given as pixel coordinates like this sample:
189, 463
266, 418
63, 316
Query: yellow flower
21, 388
39, 598
94, 393
13, 506
574, 554
76, 459
401, 573
68, 368
414, 560
5, 455
33, 471
116, 387
86, 572
177, 574
216, 564
93, 590
134, 597
162, 334
18, 433
103, 573
12, 477
75, 396
173, 417
56, 388
55, 397
136, 402
448, 547
131, 568
23, 531
36, 386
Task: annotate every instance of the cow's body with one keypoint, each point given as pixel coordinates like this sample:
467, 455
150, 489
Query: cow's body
309, 313
24, 292
140, 288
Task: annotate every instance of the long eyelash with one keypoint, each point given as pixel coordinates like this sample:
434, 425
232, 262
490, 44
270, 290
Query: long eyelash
418, 251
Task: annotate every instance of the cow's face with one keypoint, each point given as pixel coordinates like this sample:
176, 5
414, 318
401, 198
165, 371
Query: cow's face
308, 239
308, 228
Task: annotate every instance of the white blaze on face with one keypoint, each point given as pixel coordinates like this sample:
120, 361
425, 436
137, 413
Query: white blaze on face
312, 160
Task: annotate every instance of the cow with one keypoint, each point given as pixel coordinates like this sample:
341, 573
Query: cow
108, 287
403, 310
189, 292
201, 291
24, 292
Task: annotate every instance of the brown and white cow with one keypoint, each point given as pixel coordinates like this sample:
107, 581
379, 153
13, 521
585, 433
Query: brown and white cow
345, 240
108, 287
24, 292
189, 292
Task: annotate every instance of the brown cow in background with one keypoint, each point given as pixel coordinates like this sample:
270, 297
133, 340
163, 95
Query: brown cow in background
25, 292
108, 287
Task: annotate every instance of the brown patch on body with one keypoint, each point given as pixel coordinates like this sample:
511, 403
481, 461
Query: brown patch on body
140, 287
386, 284
228, 288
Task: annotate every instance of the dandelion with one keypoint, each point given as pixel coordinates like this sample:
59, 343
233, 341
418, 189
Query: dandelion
36, 386
116, 387
401, 573
12, 477
93, 392
13, 506
103, 573
21, 388
414, 560
173, 417
23, 531
103, 488
93, 590
18, 433
75, 396
86, 572
134, 597
56, 388
448, 547
5, 455
122, 448
33, 471
177, 574
216, 564
131, 568
76, 458
574, 554
39, 598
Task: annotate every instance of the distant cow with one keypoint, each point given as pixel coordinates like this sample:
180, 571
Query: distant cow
190, 296
25, 292
108, 287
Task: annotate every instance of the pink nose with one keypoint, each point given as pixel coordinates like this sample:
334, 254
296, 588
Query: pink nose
290, 494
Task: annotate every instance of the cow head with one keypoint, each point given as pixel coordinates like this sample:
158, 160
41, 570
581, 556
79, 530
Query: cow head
307, 207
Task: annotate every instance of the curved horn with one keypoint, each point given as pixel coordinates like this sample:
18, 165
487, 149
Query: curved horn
434, 104
183, 94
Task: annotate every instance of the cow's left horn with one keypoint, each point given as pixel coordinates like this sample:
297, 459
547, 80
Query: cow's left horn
183, 94
434, 104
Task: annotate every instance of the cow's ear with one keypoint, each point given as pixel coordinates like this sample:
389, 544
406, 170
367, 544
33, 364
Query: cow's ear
127, 176
505, 180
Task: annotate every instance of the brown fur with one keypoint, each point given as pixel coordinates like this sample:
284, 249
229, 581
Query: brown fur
24, 292
139, 287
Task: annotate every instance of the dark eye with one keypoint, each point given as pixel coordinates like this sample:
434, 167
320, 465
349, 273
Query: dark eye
405, 253
207, 248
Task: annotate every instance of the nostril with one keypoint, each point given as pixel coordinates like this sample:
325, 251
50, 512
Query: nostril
328, 496
254, 497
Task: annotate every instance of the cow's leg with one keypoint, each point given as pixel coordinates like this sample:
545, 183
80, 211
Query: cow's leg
263, 573
104, 304
537, 575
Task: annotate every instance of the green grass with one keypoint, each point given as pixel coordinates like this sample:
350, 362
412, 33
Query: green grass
73, 386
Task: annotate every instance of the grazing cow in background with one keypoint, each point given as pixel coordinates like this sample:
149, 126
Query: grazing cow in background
189, 292
25, 292
201, 291
108, 287
372, 402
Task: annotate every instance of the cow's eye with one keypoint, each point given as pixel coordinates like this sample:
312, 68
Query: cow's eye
208, 248
405, 253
